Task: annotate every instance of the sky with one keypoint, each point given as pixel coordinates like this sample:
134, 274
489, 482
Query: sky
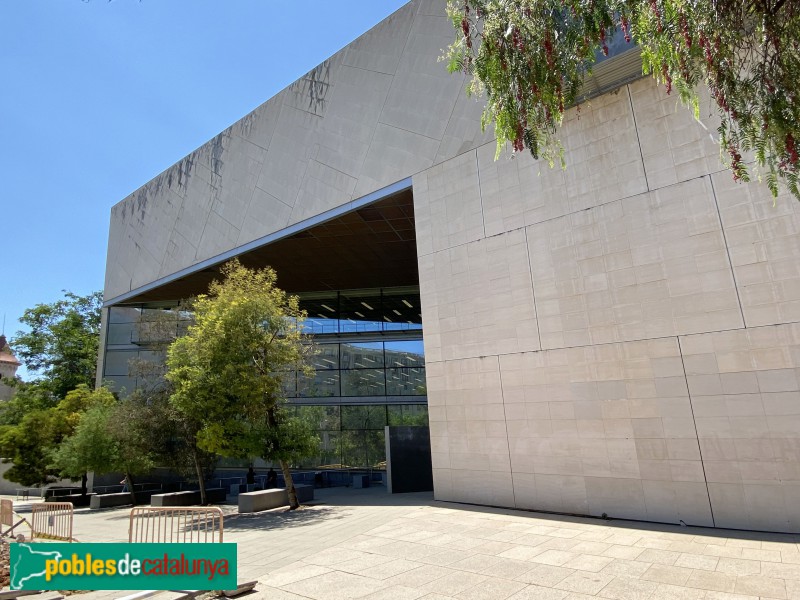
98, 97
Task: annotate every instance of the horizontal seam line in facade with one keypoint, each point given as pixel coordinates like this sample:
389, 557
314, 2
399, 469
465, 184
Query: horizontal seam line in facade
344, 64
494, 235
665, 337
427, 137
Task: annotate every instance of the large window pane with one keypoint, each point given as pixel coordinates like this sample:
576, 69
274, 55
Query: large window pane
406, 382
120, 333
121, 384
319, 385
117, 362
360, 311
326, 356
408, 414
363, 448
363, 382
289, 384
321, 417
123, 314
401, 310
366, 355
322, 314
405, 354
364, 417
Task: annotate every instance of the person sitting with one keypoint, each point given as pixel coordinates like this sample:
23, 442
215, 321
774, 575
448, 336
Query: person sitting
272, 478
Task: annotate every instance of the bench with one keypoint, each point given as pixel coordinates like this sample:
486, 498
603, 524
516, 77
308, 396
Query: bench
188, 498
76, 499
251, 502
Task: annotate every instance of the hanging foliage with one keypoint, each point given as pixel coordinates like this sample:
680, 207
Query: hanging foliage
530, 57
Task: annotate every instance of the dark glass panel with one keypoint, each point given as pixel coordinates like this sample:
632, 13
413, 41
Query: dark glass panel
409, 353
123, 314
364, 355
401, 310
322, 312
120, 333
406, 382
360, 311
326, 356
120, 384
117, 362
408, 414
363, 448
370, 416
363, 382
289, 384
319, 385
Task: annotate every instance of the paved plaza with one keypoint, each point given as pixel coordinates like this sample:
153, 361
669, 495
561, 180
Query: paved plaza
371, 545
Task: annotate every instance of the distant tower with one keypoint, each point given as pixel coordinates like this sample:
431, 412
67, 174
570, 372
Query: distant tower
8, 368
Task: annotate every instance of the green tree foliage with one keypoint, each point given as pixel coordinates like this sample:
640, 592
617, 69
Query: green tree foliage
62, 342
90, 448
31, 442
530, 58
228, 370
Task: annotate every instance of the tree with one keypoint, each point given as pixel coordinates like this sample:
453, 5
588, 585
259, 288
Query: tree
62, 342
530, 58
30, 443
228, 370
89, 448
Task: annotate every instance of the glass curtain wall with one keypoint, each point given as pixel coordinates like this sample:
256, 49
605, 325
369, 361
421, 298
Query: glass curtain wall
368, 346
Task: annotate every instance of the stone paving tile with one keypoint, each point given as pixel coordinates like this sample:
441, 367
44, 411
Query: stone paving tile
395, 592
587, 562
738, 566
508, 568
626, 588
389, 569
626, 552
291, 573
454, 583
626, 568
545, 575
764, 587
584, 583
419, 576
667, 574
365, 544
666, 591
714, 582
492, 588
335, 585
535, 592
445, 557
697, 561
554, 557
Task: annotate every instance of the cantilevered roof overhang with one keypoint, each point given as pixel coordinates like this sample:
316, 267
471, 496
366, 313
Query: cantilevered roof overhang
368, 243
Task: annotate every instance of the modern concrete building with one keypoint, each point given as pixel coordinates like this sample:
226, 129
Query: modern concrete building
622, 337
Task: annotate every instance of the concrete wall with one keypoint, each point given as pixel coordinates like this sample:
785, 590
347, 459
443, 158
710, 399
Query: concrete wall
373, 114
620, 337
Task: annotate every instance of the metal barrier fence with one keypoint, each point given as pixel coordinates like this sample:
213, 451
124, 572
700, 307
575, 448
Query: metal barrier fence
52, 521
7, 518
6, 513
175, 525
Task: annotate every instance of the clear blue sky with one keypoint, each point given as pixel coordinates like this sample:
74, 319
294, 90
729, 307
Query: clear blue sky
97, 98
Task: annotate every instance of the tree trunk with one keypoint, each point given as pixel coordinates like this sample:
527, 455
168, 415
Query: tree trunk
290, 491
129, 483
201, 480
84, 486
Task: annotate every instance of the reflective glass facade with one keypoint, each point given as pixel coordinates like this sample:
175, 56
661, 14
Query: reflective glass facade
369, 351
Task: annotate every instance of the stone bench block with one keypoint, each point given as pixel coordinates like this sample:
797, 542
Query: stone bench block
250, 502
